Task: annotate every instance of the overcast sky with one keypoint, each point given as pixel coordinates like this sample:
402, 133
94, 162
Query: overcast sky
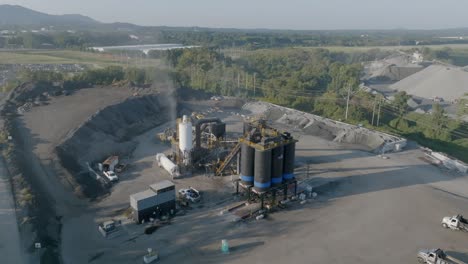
275, 14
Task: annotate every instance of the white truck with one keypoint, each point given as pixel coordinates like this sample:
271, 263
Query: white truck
456, 222
111, 176
436, 256
190, 194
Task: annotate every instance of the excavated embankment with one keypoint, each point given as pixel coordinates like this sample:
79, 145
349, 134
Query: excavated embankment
110, 132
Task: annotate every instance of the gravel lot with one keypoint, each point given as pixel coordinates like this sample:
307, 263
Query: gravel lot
376, 211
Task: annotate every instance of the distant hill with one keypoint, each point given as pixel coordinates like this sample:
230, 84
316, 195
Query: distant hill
14, 15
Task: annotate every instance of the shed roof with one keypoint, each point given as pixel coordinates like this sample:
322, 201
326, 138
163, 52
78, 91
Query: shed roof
161, 185
143, 195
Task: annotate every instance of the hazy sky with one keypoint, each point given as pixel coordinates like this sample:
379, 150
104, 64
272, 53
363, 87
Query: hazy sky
279, 14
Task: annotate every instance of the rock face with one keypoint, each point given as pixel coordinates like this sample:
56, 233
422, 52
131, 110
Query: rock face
110, 130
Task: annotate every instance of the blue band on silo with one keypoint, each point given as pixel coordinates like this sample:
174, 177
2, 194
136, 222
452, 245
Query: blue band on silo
276, 180
247, 178
288, 176
262, 184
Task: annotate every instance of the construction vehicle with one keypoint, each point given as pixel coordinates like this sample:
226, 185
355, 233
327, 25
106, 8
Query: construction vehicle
456, 222
436, 256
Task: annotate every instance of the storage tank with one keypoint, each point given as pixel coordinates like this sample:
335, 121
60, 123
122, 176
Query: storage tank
247, 164
167, 164
289, 156
185, 138
277, 165
262, 170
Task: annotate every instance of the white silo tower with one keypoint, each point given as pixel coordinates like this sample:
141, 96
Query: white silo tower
185, 139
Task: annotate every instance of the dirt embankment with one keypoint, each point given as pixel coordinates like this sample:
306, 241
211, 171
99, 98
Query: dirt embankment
110, 132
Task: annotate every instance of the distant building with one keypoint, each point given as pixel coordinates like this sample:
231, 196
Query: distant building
143, 48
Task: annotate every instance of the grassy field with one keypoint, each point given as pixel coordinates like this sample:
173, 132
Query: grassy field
69, 56
361, 49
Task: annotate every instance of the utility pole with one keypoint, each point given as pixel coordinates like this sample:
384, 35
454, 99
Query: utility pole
378, 115
255, 74
246, 79
347, 102
238, 81
373, 110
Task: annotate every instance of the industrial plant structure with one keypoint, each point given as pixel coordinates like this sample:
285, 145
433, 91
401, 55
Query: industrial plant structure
266, 161
193, 146
265, 155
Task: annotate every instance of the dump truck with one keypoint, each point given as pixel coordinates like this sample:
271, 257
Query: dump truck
456, 222
436, 256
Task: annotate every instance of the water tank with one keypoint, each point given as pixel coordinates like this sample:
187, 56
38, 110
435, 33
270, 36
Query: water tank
262, 170
167, 164
185, 137
247, 164
289, 156
277, 165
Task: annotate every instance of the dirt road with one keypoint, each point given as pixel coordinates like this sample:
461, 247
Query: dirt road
10, 248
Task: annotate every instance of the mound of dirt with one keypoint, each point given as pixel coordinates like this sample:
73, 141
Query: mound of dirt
110, 130
322, 127
393, 68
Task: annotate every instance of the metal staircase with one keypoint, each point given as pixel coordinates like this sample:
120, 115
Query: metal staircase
228, 159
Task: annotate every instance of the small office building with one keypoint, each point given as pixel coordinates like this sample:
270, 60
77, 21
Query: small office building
157, 201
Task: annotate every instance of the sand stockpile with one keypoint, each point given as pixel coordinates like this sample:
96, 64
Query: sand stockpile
447, 82
325, 128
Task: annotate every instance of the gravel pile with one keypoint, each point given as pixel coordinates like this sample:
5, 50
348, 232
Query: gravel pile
447, 82
321, 127
393, 68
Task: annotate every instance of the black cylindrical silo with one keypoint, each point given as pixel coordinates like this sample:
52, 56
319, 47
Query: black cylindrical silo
247, 164
289, 157
262, 180
277, 166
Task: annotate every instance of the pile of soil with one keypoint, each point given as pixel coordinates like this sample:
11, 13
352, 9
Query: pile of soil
110, 130
321, 127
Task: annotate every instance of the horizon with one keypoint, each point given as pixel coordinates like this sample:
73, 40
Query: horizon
230, 18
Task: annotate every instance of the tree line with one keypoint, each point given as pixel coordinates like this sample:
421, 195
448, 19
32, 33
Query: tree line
321, 82
317, 81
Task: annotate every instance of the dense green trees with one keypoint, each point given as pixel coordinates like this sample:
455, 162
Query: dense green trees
36, 76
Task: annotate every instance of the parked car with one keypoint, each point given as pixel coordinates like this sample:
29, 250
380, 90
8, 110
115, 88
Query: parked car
190, 194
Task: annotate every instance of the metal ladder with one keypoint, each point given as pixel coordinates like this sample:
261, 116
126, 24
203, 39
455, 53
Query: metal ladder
228, 159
